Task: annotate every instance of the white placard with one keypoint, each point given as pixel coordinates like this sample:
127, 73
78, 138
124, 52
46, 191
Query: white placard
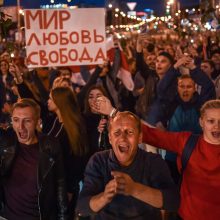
65, 37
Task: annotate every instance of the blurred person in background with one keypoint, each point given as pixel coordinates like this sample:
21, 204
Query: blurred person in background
94, 119
208, 67
215, 57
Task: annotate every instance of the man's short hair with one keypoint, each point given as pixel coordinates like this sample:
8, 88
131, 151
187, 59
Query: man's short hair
168, 56
126, 114
64, 68
185, 76
210, 62
26, 102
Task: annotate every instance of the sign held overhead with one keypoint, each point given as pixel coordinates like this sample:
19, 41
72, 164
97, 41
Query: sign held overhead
65, 37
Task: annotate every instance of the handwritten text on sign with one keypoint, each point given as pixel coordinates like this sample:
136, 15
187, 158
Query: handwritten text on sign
65, 37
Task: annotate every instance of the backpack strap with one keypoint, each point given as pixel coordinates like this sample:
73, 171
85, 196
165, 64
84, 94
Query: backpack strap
187, 152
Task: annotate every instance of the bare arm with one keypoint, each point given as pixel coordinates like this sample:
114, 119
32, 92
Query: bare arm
148, 195
99, 201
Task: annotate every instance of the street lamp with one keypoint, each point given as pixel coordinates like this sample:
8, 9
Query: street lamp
171, 2
19, 21
173, 6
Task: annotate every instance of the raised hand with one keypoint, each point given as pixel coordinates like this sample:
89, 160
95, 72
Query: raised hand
103, 105
183, 61
14, 70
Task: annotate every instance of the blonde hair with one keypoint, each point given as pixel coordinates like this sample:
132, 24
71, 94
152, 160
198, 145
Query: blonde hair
211, 104
126, 114
26, 102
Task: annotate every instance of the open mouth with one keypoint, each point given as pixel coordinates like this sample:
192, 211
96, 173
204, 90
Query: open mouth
186, 97
123, 148
159, 69
23, 135
216, 134
185, 94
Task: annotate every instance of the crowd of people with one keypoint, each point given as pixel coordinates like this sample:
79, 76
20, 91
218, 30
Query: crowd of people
73, 148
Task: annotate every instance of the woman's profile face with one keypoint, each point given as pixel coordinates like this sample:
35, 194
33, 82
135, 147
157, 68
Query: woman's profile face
210, 123
92, 98
51, 105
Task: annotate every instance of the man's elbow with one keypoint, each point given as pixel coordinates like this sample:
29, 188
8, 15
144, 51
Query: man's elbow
171, 199
83, 209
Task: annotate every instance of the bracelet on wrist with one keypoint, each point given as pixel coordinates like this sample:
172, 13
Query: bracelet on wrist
113, 113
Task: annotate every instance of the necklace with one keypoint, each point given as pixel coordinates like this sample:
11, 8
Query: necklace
60, 129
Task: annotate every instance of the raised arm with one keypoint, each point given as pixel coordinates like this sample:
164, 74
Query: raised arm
23, 89
207, 86
167, 82
141, 65
172, 141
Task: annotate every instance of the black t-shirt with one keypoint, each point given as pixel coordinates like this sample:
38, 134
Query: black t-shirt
21, 191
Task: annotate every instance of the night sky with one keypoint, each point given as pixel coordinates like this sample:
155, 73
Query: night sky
157, 5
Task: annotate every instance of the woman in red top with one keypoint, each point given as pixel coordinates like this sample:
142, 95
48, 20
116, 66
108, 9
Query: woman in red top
200, 189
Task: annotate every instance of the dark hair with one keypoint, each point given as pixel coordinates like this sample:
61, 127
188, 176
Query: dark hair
199, 49
5, 61
64, 68
168, 56
87, 109
210, 62
26, 102
214, 52
66, 102
150, 48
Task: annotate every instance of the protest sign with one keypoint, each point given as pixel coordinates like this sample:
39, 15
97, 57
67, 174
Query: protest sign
65, 37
